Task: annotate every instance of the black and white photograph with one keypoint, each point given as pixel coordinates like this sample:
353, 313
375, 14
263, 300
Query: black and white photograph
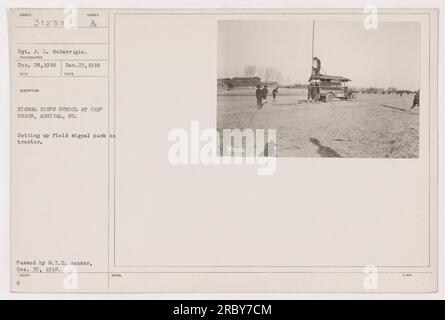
242, 152
335, 89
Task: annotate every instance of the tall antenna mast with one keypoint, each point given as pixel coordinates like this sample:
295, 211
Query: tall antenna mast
313, 39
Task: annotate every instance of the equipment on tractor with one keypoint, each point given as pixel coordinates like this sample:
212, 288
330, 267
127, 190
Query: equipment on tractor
328, 88
324, 87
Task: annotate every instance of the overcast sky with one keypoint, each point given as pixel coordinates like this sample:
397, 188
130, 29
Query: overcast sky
389, 56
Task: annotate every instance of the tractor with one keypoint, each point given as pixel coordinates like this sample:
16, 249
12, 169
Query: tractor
328, 88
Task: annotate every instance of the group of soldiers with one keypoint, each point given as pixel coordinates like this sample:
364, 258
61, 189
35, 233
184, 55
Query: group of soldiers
261, 95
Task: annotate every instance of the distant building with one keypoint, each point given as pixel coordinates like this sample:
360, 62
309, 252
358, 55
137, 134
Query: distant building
225, 83
228, 83
239, 82
246, 82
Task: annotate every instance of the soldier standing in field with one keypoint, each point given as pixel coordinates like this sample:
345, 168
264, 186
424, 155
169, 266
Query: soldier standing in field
275, 93
265, 92
312, 93
416, 101
259, 97
309, 94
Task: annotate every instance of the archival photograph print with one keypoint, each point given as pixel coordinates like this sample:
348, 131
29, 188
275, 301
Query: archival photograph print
335, 89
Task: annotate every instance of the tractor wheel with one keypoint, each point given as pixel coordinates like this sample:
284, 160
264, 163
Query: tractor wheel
329, 97
354, 96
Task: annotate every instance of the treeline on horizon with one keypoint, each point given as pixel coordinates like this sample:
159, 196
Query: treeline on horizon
374, 90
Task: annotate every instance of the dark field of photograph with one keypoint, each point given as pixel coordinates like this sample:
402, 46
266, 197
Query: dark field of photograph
329, 88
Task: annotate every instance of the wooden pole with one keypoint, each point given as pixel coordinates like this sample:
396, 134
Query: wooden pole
313, 40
